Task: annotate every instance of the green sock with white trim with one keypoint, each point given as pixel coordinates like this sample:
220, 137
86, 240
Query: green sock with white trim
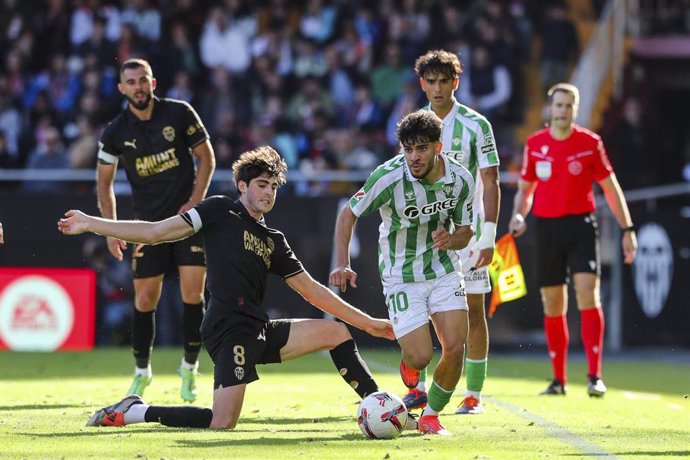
476, 373
438, 398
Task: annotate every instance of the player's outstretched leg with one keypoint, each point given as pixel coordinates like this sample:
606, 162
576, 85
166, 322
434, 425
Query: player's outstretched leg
114, 415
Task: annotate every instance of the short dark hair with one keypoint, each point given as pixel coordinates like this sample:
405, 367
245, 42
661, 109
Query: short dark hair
438, 61
419, 127
135, 63
254, 163
564, 88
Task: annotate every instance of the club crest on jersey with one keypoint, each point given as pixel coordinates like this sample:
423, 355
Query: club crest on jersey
169, 133
239, 373
132, 143
412, 212
359, 195
575, 168
409, 195
456, 141
543, 170
448, 189
544, 149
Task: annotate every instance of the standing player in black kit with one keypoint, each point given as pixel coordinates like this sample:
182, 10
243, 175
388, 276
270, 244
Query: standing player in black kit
237, 333
156, 140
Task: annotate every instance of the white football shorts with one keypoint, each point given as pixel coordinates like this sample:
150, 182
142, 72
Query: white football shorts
411, 304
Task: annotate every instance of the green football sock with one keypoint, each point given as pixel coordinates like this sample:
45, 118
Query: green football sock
438, 397
476, 373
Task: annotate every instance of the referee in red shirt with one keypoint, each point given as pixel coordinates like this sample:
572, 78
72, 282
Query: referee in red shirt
559, 165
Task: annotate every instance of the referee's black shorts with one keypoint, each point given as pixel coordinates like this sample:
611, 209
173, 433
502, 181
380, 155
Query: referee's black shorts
566, 245
149, 261
238, 343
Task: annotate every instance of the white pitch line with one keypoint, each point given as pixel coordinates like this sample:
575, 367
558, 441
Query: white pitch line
552, 429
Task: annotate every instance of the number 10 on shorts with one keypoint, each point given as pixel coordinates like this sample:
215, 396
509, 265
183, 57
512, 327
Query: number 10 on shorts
397, 302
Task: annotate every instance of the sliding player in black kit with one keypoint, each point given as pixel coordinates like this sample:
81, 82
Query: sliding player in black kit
241, 251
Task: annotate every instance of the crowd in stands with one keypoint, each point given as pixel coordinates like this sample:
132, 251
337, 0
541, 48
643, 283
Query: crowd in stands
325, 81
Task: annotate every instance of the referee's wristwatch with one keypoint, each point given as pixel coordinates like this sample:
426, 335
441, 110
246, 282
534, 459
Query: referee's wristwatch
628, 229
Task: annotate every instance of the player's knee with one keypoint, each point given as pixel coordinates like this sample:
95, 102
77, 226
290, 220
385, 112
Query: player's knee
454, 351
223, 422
145, 304
418, 359
339, 333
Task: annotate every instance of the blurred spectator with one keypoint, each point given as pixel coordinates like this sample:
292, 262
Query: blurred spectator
318, 21
388, 78
560, 45
10, 121
88, 15
82, 152
61, 85
7, 161
145, 19
50, 28
114, 293
221, 34
49, 154
181, 88
629, 147
485, 86
98, 44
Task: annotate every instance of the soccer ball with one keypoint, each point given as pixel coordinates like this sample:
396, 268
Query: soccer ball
382, 415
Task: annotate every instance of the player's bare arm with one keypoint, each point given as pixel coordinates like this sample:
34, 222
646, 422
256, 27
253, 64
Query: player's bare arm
207, 164
105, 177
491, 199
522, 203
2, 235
170, 229
452, 241
342, 273
616, 201
324, 299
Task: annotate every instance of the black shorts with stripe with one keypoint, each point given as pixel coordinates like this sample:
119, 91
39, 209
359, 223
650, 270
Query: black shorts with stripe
566, 245
149, 261
238, 343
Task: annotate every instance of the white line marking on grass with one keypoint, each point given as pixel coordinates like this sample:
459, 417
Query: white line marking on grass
675, 406
634, 395
552, 429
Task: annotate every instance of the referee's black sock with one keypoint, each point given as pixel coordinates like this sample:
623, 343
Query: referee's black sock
192, 316
353, 369
180, 416
143, 333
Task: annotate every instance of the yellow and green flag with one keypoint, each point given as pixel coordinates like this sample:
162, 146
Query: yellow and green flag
505, 270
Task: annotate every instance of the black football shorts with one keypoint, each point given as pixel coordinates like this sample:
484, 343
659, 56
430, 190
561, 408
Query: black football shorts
566, 245
238, 343
149, 261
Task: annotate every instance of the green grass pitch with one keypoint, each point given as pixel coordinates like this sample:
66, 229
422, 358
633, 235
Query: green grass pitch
302, 409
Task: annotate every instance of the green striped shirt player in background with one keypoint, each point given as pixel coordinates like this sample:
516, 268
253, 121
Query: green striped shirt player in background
425, 202
467, 138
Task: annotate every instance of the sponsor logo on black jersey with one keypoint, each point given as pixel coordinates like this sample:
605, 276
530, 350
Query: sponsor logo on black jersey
195, 248
151, 165
259, 247
132, 143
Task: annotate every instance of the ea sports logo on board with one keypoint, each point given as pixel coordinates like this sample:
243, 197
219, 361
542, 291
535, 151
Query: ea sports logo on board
36, 314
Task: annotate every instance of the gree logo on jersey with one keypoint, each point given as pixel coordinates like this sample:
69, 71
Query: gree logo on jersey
412, 212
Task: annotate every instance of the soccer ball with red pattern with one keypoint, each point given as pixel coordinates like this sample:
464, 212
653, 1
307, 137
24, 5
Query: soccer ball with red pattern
382, 415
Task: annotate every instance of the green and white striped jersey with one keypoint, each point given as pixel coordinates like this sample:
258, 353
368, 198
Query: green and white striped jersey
468, 138
410, 210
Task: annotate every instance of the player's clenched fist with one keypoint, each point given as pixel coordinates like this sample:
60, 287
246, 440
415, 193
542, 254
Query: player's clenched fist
340, 276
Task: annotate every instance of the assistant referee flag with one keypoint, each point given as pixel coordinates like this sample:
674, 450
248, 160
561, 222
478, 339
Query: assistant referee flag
506, 273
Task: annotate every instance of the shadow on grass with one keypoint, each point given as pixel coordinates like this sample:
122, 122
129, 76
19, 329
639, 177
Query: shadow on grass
39, 407
288, 421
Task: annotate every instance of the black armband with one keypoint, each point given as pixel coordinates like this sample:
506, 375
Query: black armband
628, 229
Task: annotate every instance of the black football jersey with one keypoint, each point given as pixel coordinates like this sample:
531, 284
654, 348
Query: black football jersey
157, 155
240, 252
